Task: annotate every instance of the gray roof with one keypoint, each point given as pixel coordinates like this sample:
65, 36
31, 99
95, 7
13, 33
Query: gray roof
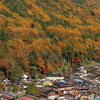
78, 80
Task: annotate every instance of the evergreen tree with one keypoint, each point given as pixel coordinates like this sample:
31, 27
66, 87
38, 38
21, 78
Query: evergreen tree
16, 73
15, 89
33, 58
35, 98
34, 71
3, 35
32, 89
64, 70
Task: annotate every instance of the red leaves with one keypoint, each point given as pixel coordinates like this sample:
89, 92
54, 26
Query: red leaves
3, 62
59, 63
76, 60
45, 71
7, 63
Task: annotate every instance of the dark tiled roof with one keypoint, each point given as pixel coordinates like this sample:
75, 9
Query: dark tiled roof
8, 97
81, 88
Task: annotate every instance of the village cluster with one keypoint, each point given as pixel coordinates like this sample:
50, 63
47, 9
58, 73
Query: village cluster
82, 85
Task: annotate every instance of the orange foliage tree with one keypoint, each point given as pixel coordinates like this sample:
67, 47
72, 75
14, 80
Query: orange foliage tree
41, 63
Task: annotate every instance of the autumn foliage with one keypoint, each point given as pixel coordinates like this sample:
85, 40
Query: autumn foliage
48, 34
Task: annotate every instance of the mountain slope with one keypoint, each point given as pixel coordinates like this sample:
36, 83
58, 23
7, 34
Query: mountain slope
40, 32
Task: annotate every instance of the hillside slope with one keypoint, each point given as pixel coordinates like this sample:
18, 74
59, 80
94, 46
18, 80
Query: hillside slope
39, 33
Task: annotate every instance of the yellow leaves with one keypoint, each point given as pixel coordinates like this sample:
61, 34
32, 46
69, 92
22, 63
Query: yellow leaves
18, 32
41, 63
85, 29
38, 10
78, 44
37, 44
45, 16
20, 50
80, 48
17, 45
2, 22
90, 41
10, 31
65, 33
32, 31
74, 19
61, 16
97, 11
98, 44
30, 1
4, 7
61, 44
29, 11
47, 48
41, 45
25, 22
50, 66
93, 29
97, 49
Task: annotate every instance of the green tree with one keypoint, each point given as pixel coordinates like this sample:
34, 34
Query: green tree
3, 35
33, 61
0, 80
52, 56
90, 52
20, 7
16, 73
49, 73
34, 71
64, 52
64, 70
33, 58
70, 53
15, 89
35, 98
55, 40
32, 89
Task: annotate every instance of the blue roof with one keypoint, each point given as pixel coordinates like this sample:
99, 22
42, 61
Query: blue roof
63, 82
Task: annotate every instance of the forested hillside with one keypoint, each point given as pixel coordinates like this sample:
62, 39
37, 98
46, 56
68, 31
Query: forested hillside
45, 35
